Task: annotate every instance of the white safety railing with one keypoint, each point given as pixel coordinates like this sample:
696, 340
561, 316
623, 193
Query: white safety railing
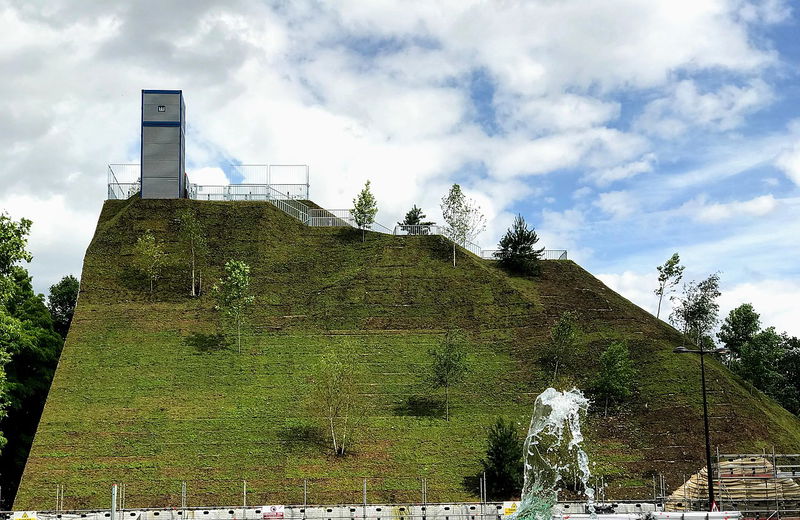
122, 190
292, 191
123, 181
547, 254
263, 192
331, 218
417, 229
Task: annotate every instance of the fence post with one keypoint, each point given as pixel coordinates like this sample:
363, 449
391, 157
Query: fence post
365, 499
114, 502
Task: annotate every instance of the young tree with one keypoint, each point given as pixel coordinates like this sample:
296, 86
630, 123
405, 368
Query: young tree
193, 239
517, 252
759, 357
614, 381
61, 302
449, 364
739, 328
13, 249
463, 218
335, 395
564, 335
32, 347
18, 326
669, 275
233, 296
148, 257
414, 218
364, 210
503, 462
697, 311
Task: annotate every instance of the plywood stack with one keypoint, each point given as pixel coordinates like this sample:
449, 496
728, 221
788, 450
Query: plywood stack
743, 480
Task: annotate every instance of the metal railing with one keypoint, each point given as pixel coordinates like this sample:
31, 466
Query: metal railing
290, 175
123, 181
235, 192
266, 174
416, 229
547, 254
263, 192
292, 191
123, 190
330, 218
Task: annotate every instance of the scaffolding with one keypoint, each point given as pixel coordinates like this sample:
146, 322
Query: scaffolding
761, 485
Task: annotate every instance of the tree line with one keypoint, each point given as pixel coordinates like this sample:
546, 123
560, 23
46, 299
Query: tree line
32, 333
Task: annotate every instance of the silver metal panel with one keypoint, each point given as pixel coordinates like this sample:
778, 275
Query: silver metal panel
162, 99
168, 169
171, 112
154, 188
159, 152
162, 134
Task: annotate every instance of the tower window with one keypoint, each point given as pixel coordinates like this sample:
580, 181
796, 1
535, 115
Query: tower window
162, 108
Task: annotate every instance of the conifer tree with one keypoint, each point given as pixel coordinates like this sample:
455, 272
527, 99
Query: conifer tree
517, 252
503, 463
415, 220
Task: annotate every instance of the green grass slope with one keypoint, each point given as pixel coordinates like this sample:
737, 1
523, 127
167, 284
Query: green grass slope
143, 396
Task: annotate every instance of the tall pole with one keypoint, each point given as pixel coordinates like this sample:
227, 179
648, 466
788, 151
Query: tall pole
709, 469
114, 502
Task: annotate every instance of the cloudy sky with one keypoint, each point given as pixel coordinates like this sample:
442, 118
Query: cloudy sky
624, 130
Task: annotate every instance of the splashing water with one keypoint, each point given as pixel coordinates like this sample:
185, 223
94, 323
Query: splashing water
553, 445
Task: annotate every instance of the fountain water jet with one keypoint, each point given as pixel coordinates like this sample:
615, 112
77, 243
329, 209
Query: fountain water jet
553, 445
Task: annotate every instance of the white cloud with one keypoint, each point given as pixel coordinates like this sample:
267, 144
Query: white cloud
359, 90
789, 163
617, 204
59, 234
774, 299
700, 209
554, 112
607, 176
212, 176
686, 107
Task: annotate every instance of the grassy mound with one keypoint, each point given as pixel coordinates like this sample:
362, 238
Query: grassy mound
148, 395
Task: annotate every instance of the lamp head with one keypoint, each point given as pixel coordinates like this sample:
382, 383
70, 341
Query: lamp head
680, 350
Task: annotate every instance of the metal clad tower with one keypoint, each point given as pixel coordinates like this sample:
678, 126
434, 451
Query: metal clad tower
163, 144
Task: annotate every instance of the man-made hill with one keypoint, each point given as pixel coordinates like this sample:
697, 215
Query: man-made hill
145, 394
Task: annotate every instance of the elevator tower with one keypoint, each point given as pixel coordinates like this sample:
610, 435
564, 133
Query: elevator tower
163, 144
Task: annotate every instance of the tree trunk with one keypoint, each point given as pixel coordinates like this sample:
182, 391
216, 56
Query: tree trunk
454, 253
333, 432
363, 235
193, 291
605, 413
555, 373
239, 335
447, 403
660, 297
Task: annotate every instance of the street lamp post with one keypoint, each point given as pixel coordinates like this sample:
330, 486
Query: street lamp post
709, 469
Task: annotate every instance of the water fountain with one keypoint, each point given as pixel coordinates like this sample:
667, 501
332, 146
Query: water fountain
554, 448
